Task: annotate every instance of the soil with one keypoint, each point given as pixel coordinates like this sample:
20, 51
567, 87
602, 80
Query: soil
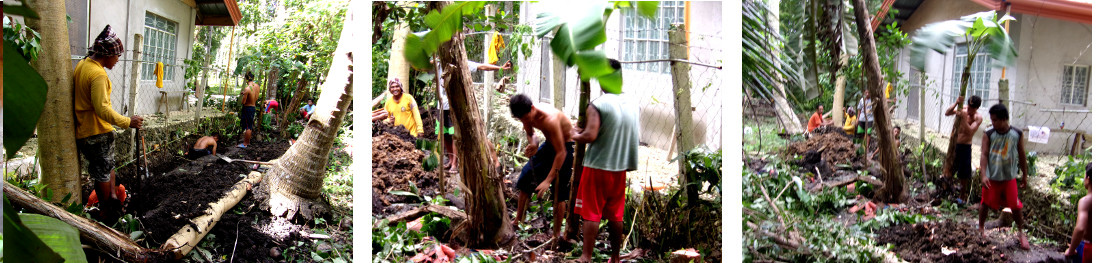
168, 200
823, 151
397, 164
429, 121
924, 242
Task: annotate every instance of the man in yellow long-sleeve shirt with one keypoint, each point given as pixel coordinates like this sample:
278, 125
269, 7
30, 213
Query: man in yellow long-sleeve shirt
402, 108
94, 117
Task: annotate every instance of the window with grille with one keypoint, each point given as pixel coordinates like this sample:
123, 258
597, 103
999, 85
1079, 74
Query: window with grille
979, 73
1075, 84
647, 39
159, 46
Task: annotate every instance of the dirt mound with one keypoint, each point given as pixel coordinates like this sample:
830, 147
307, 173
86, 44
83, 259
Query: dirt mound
168, 201
923, 243
823, 151
397, 164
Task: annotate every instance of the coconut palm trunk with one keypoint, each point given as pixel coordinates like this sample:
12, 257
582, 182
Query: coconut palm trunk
295, 183
56, 127
488, 223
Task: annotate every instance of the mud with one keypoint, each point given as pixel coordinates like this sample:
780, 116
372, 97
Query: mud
824, 152
924, 242
396, 165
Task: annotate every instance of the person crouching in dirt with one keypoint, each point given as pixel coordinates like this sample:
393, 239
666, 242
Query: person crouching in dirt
248, 96
897, 132
1002, 154
1080, 249
970, 121
612, 131
207, 145
307, 109
94, 117
402, 108
850, 123
552, 159
818, 119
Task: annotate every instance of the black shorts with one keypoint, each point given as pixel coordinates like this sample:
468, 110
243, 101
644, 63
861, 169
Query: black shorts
961, 166
538, 167
447, 122
98, 150
198, 153
247, 117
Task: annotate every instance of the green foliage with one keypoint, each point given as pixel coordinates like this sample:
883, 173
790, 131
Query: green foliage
981, 29
394, 243
762, 68
25, 40
579, 30
435, 225
422, 45
705, 167
25, 97
30, 247
1070, 176
811, 215
60, 237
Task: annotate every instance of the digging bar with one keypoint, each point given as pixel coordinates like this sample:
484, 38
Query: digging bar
230, 160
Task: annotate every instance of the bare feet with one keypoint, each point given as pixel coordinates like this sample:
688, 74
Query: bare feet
1023, 241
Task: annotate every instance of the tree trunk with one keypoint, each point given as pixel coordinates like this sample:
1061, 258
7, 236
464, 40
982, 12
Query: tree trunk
949, 159
56, 126
894, 184
103, 237
296, 181
299, 92
838, 110
488, 223
397, 65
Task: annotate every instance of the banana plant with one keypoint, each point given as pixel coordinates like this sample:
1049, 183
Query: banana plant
983, 32
579, 30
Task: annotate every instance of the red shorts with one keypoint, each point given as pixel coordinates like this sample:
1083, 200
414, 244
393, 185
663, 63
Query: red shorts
1001, 191
601, 195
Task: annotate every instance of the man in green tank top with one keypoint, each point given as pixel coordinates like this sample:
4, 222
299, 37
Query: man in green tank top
612, 130
1003, 157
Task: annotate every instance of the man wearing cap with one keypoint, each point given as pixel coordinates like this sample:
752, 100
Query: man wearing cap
95, 115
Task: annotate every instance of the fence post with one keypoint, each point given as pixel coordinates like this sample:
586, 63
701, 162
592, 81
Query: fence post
682, 106
488, 76
135, 72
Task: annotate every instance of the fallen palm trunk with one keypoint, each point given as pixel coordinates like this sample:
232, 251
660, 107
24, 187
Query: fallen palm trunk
188, 237
105, 238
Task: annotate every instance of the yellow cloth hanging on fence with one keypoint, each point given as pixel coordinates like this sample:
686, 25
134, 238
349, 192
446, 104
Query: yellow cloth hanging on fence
497, 44
159, 74
889, 90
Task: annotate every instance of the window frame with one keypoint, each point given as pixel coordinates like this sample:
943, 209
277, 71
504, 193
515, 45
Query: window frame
1072, 98
159, 45
981, 71
639, 33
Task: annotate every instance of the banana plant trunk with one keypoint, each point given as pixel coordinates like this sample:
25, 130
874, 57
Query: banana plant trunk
954, 138
574, 221
488, 224
894, 183
296, 181
57, 141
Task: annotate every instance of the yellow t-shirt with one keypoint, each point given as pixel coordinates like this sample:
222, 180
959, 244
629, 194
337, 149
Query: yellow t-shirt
850, 124
91, 88
405, 112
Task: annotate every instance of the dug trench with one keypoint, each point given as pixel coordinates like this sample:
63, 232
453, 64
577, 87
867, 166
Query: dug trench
179, 189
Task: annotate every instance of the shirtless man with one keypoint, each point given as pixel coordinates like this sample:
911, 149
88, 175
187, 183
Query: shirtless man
206, 145
248, 96
550, 160
1080, 249
971, 121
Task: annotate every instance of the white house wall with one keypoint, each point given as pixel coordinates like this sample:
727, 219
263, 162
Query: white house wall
128, 18
1045, 45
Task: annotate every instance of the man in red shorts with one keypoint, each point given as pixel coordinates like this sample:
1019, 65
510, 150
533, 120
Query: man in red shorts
1003, 157
612, 131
